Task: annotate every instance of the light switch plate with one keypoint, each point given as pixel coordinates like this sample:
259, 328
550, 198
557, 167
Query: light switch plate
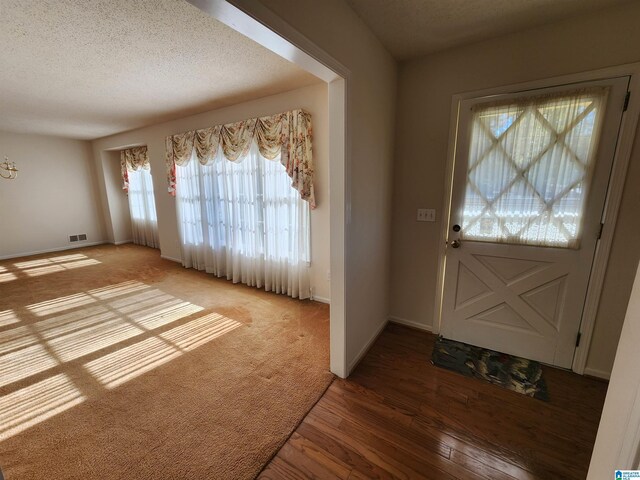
426, 215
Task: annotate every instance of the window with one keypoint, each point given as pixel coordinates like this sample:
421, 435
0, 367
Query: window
530, 164
244, 221
144, 221
137, 182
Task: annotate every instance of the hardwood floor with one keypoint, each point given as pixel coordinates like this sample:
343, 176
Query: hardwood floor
398, 416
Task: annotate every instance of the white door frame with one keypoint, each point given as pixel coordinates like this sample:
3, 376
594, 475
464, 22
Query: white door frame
273, 33
617, 444
614, 193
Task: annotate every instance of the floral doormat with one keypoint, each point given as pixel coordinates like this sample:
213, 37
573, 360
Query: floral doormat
514, 373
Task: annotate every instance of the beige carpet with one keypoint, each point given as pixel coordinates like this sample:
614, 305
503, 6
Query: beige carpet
115, 364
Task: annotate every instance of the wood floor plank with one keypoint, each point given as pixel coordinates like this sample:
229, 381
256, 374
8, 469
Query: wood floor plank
310, 461
485, 470
472, 447
516, 447
304, 448
343, 452
399, 416
383, 454
505, 429
279, 469
384, 421
356, 475
413, 455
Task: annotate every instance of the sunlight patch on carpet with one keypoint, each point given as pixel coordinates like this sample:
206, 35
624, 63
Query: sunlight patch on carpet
33, 404
95, 361
60, 267
45, 266
130, 362
89, 340
80, 324
7, 277
14, 339
60, 304
123, 288
40, 262
8, 317
200, 331
23, 363
74, 326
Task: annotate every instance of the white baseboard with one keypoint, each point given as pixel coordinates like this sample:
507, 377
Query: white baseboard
52, 250
354, 363
122, 242
166, 257
321, 299
594, 372
411, 323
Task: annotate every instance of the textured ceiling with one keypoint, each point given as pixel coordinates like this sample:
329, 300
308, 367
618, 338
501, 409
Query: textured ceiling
410, 28
86, 69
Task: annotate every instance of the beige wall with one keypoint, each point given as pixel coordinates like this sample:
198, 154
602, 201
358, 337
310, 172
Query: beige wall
53, 197
337, 30
313, 99
118, 225
425, 89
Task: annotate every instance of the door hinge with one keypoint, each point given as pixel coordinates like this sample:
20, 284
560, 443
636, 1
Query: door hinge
578, 337
626, 102
600, 231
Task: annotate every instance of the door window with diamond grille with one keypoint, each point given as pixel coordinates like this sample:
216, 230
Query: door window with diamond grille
529, 168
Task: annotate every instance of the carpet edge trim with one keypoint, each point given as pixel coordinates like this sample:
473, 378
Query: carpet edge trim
295, 427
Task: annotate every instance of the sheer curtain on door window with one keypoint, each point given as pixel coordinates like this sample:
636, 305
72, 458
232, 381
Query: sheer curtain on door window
144, 221
530, 165
243, 221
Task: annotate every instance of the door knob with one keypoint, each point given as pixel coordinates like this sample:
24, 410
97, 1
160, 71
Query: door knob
456, 228
455, 244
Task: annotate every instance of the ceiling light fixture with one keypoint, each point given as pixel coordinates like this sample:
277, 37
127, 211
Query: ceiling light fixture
8, 170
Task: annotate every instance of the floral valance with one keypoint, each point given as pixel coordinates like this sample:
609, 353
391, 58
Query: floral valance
132, 160
288, 134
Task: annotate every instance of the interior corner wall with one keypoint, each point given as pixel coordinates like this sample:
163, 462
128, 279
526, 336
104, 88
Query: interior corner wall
118, 204
118, 222
371, 93
53, 197
426, 86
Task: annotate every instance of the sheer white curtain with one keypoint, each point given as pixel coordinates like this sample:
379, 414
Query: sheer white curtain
530, 166
142, 206
243, 221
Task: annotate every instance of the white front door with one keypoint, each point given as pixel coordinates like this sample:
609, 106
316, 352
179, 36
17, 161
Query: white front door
530, 181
